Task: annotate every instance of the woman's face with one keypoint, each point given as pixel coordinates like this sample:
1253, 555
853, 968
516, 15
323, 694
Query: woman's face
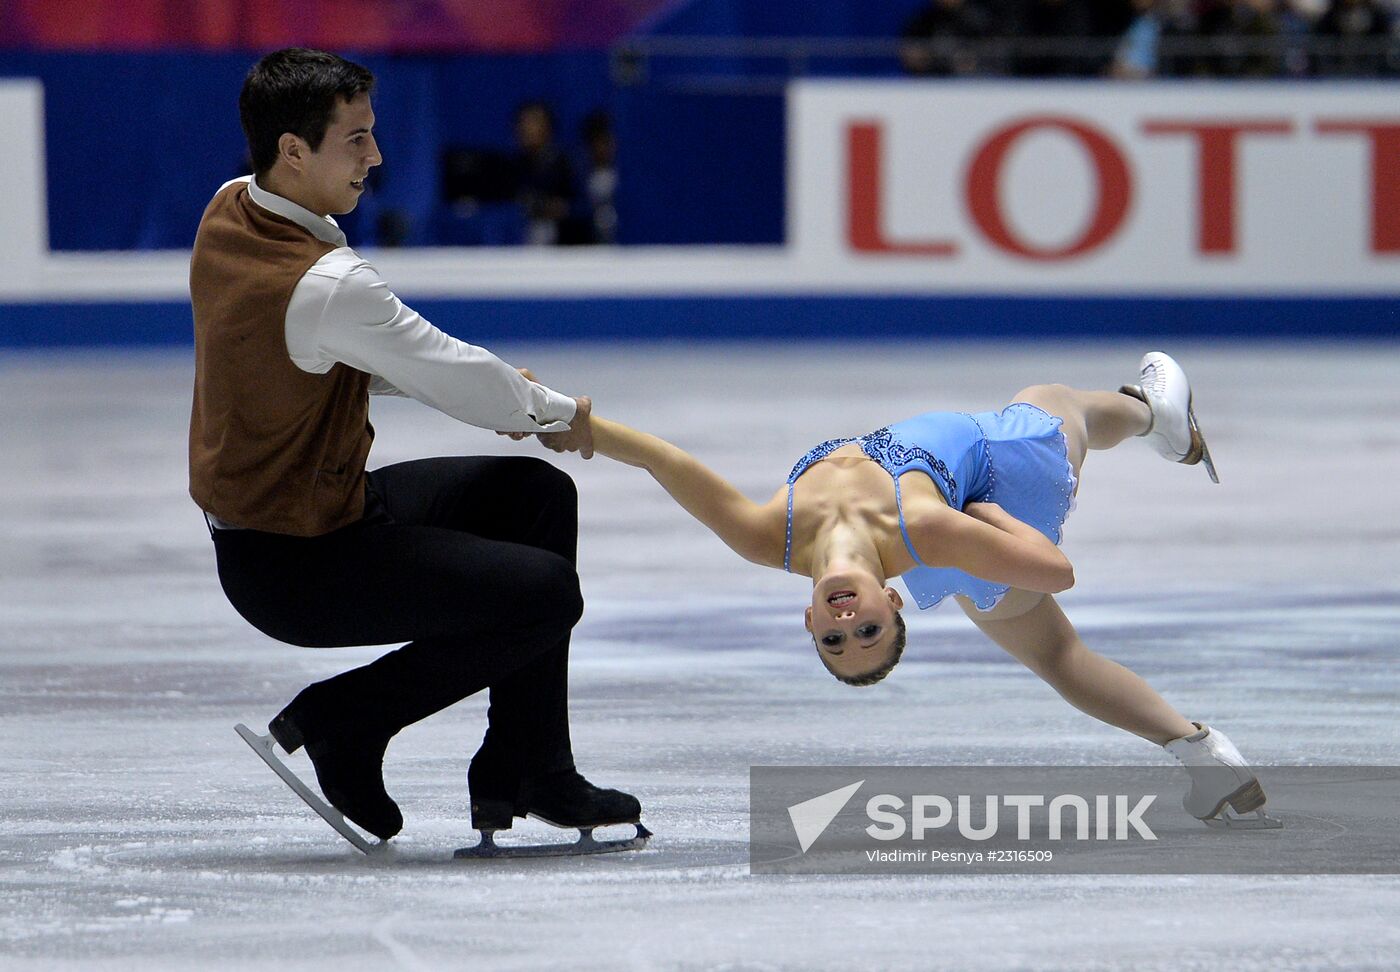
851, 619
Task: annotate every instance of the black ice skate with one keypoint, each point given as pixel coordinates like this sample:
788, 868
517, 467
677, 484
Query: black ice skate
262, 745
351, 779
564, 800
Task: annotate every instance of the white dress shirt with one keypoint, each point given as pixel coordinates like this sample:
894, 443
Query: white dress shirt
343, 312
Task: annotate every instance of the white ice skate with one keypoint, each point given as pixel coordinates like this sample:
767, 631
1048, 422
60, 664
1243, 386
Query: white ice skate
1173, 432
1223, 787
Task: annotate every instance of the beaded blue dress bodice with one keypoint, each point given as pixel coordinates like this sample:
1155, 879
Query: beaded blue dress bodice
897, 450
1015, 458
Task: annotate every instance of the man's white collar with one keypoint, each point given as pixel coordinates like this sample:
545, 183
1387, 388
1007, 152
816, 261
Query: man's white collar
322, 227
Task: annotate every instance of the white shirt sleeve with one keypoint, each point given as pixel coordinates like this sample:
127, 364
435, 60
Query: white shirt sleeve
378, 386
342, 311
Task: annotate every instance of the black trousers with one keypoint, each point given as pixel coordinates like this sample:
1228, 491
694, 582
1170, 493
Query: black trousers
471, 561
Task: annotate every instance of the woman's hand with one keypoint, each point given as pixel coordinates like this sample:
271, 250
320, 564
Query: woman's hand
579, 438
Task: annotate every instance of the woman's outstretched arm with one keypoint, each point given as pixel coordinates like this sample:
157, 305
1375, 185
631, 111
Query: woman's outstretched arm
988, 542
737, 520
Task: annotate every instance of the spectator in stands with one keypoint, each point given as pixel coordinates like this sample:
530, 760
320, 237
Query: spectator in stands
1256, 25
1110, 18
1356, 29
600, 183
1392, 16
1296, 20
1136, 56
1049, 28
1239, 38
1210, 22
1307, 11
933, 38
544, 177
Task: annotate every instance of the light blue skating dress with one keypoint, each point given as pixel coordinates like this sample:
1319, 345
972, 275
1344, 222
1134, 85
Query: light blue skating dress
1015, 458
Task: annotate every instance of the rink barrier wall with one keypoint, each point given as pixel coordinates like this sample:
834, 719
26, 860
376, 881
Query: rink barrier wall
80, 324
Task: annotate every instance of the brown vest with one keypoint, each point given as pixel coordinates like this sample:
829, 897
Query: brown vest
272, 447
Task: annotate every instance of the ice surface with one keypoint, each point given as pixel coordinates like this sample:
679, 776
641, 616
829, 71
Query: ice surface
137, 831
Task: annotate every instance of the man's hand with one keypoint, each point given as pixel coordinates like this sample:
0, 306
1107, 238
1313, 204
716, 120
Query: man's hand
579, 438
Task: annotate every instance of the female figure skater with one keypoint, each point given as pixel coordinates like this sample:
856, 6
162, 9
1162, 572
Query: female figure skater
969, 505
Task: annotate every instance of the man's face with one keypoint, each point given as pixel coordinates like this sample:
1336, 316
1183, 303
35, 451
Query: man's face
333, 176
532, 129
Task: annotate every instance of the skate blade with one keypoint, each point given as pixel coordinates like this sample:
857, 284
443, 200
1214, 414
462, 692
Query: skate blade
1257, 820
1243, 810
262, 745
1199, 452
1248, 796
586, 844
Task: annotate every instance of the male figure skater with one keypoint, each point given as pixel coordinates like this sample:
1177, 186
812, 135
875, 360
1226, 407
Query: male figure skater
470, 560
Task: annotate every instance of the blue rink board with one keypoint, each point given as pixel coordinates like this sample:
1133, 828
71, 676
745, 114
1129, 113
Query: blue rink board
766, 317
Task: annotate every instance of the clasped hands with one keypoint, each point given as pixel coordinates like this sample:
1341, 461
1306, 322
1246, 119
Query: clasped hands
579, 437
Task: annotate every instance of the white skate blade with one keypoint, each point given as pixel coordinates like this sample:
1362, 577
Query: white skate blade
1257, 820
262, 745
586, 844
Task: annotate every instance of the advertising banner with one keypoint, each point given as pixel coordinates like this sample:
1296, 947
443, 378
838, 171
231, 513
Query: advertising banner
1071, 187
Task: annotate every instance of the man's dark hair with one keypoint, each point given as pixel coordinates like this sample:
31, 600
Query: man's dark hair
295, 90
873, 676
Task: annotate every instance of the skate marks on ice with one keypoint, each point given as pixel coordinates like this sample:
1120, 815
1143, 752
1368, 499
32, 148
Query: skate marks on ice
294, 851
226, 904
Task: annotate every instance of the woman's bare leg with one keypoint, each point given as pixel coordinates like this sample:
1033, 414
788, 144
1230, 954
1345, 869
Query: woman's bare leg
1033, 629
1092, 419
1041, 638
